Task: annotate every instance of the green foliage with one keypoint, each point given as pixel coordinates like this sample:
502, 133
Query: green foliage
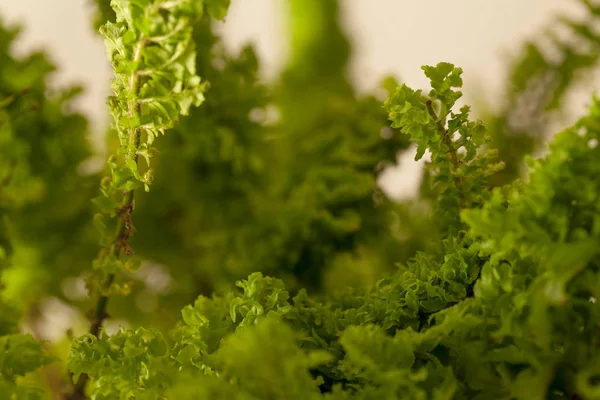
459, 176
20, 354
128, 364
29, 170
332, 145
236, 359
248, 180
273, 185
44, 200
217, 157
210, 320
152, 53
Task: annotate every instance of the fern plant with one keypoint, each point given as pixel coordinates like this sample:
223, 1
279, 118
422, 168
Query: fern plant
254, 258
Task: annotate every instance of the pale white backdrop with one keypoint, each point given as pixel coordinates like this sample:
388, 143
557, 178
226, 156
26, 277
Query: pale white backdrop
390, 36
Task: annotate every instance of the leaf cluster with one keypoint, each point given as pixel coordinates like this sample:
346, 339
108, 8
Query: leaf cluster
485, 287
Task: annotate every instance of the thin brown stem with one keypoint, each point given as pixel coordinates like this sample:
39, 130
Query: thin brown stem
124, 230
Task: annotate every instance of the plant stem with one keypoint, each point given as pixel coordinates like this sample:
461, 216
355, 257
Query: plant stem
452, 152
125, 227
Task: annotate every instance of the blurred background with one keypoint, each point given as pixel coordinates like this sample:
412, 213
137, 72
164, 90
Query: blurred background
395, 37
